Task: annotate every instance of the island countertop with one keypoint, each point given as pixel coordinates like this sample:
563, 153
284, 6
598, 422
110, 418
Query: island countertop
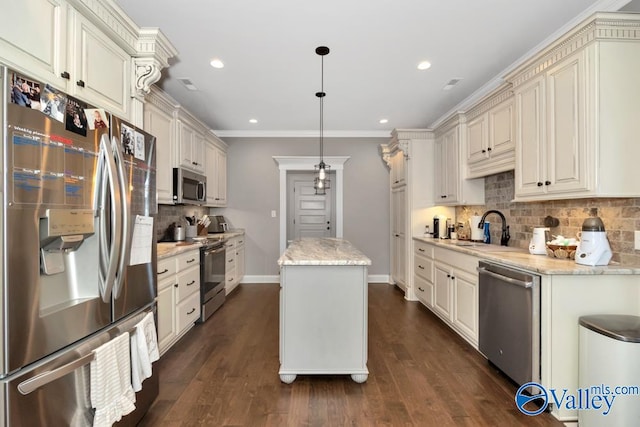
322, 251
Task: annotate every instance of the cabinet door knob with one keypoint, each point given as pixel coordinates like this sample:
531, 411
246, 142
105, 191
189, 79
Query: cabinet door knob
489, 149
547, 183
539, 184
65, 75
453, 277
175, 285
484, 151
448, 275
80, 83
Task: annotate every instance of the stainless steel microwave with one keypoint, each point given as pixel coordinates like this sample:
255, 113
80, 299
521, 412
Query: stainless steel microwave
189, 187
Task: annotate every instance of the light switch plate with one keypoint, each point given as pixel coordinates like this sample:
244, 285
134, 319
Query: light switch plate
636, 245
273, 214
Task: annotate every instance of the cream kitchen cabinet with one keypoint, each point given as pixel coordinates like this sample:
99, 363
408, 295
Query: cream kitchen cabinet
191, 145
100, 71
398, 169
178, 296
423, 273
399, 237
455, 285
63, 48
159, 121
450, 183
216, 167
36, 42
234, 263
490, 135
409, 156
575, 105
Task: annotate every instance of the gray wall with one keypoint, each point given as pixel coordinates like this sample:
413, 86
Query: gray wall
253, 191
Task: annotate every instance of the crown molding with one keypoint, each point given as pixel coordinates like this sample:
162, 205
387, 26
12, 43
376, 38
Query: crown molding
302, 133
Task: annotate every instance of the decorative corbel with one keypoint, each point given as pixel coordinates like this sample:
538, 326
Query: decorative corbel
386, 154
403, 145
147, 72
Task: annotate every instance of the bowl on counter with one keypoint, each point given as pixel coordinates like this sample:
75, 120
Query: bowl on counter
561, 251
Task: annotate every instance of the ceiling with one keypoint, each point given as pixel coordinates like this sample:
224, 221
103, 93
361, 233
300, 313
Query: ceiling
272, 72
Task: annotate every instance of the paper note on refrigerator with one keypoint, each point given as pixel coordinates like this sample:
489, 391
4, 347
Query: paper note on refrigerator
142, 240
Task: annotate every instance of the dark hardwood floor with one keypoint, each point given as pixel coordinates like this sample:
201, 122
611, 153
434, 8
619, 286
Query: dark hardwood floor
225, 373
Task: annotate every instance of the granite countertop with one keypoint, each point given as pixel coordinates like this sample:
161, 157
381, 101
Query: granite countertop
521, 258
322, 251
168, 249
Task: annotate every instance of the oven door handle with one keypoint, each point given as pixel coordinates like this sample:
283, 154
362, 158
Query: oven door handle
521, 283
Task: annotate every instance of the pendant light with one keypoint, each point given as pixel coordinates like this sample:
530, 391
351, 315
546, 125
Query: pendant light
322, 182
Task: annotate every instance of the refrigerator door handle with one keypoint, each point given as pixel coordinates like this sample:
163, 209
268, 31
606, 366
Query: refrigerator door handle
107, 279
124, 218
34, 383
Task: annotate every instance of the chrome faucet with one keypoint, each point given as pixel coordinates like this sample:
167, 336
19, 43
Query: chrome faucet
504, 239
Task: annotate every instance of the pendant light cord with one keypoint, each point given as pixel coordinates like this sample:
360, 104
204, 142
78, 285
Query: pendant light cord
321, 109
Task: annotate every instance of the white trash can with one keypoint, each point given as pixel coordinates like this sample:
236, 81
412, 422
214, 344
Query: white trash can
609, 371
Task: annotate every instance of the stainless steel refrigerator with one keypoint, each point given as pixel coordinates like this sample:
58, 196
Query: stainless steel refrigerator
78, 248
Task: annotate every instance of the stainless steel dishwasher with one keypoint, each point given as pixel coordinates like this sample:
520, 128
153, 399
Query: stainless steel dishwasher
509, 320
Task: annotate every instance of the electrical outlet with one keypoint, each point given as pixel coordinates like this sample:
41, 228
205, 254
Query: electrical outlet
273, 214
636, 245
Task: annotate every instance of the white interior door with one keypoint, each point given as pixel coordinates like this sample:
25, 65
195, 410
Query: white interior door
308, 214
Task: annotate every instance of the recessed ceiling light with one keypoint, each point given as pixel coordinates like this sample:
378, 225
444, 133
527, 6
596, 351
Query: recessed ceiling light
451, 83
253, 121
383, 121
217, 63
424, 65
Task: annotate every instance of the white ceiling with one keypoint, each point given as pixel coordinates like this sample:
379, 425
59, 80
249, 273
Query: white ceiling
272, 73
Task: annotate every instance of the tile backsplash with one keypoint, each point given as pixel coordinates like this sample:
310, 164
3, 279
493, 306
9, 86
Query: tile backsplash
168, 214
620, 216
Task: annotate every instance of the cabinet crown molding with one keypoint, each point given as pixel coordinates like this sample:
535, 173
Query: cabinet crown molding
497, 97
453, 121
609, 26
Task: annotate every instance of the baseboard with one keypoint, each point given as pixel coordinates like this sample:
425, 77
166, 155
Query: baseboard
261, 279
372, 278
379, 278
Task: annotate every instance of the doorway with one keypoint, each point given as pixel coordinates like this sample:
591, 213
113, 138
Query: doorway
290, 164
308, 214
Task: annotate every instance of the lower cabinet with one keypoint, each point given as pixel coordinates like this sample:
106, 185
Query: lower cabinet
446, 282
178, 297
235, 263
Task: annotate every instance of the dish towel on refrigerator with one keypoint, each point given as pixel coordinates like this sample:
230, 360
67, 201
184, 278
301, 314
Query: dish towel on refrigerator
111, 393
144, 350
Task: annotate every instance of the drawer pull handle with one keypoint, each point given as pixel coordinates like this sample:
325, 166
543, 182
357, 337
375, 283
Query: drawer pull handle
65, 75
230, 279
420, 267
420, 289
191, 283
191, 311
231, 260
80, 83
421, 250
163, 271
189, 261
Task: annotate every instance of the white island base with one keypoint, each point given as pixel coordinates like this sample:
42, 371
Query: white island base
323, 314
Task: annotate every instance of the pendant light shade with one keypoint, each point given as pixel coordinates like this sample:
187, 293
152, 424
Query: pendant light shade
322, 181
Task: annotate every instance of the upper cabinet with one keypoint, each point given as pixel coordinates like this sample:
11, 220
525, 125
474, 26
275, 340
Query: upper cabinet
490, 135
452, 187
159, 121
40, 47
216, 166
90, 50
190, 145
576, 109
98, 70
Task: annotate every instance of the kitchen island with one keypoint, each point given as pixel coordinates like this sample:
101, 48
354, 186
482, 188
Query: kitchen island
323, 309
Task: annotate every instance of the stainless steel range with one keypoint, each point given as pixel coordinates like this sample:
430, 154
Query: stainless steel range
212, 273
